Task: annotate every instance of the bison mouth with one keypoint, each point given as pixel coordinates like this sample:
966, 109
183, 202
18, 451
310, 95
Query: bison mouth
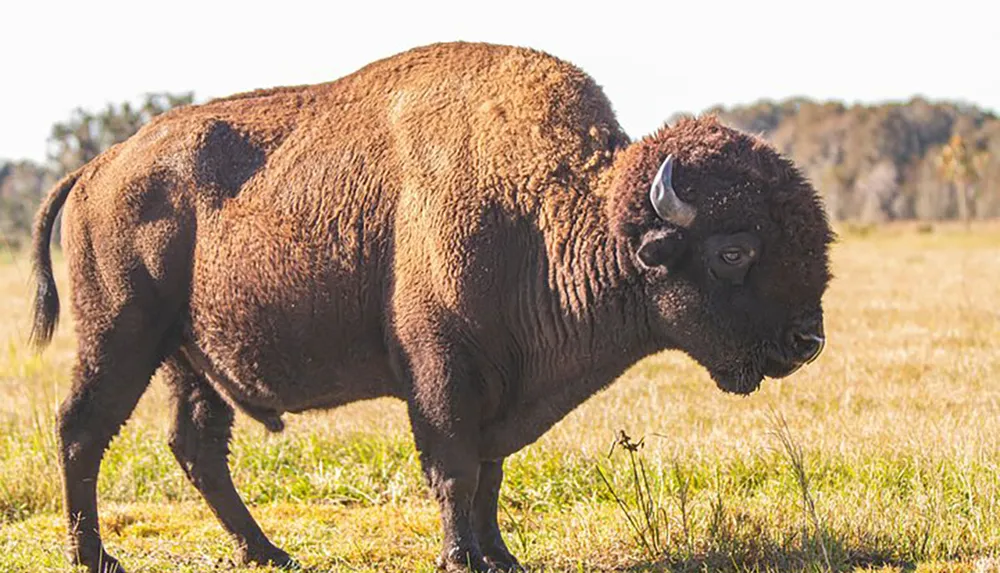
775, 369
767, 359
740, 381
747, 378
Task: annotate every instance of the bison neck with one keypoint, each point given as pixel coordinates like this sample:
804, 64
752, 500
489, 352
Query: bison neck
597, 313
582, 325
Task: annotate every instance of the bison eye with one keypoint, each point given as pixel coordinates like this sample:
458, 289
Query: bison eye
733, 256
729, 257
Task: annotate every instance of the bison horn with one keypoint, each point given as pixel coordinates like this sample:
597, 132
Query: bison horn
665, 201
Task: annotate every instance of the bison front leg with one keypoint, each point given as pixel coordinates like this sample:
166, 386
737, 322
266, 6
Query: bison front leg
453, 475
444, 408
485, 509
200, 442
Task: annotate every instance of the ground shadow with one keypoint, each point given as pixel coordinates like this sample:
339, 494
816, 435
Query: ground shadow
790, 561
767, 555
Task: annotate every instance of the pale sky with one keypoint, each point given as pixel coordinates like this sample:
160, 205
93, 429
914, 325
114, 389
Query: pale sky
652, 58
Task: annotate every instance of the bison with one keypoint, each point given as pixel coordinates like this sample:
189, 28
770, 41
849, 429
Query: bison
465, 227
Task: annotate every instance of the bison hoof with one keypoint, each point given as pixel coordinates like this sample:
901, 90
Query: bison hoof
96, 560
501, 560
105, 564
458, 560
266, 554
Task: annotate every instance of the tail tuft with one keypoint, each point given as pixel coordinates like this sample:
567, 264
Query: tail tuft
45, 313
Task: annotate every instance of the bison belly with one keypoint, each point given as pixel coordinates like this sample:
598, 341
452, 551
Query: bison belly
283, 325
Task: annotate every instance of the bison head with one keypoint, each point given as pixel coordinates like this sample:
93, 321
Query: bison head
731, 243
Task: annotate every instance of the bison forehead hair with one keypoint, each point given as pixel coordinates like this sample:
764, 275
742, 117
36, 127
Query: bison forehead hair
737, 182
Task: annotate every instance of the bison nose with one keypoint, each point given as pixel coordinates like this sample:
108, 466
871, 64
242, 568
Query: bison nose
807, 346
804, 339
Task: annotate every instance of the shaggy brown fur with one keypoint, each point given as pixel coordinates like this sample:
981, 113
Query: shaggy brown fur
463, 226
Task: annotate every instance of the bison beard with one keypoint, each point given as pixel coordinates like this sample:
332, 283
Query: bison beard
465, 227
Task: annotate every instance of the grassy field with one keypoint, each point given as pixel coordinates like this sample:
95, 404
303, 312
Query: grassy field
890, 459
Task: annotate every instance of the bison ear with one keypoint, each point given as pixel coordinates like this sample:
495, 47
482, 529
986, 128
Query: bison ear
659, 248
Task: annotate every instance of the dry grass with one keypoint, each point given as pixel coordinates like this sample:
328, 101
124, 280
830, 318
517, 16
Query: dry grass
893, 436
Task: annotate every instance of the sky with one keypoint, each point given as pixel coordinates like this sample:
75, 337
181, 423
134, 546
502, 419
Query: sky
654, 59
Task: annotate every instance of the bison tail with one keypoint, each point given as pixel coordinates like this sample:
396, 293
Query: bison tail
45, 313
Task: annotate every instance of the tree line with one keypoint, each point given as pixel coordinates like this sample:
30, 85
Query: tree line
917, 160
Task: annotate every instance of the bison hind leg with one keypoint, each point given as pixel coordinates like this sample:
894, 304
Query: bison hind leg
200, 443
116, 358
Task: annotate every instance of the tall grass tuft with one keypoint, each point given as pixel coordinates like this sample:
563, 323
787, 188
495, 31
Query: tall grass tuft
796, 460
644, 512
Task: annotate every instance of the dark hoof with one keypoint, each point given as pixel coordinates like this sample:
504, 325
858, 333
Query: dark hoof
267, 555
459, 561
95, 559
503, 562
105, 564
499, 557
